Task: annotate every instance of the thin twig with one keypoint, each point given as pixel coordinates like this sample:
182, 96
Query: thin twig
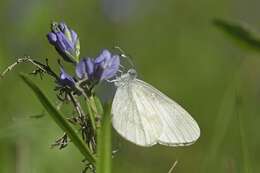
61, 142
173, 166
76, 104
77, 85
18, 61
92, 110
43, 67
85, 128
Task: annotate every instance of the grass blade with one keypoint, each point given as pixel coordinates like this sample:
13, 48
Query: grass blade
224, 117
244, 146
104, 143
239, 32
60, 120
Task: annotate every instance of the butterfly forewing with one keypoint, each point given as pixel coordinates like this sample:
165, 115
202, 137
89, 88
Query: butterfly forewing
134, 116
179, 128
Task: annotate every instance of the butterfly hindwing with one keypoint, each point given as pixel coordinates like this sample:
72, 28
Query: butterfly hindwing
179, 128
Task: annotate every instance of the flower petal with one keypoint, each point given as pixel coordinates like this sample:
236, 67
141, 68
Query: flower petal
112, 67
104, 56
66, 79
81, 69
90, 67
74, 36
52, 37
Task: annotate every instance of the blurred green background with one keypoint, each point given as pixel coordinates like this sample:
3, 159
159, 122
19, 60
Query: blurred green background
175, 47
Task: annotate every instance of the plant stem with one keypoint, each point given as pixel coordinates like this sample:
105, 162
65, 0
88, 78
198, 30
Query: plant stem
104, 152
76, 104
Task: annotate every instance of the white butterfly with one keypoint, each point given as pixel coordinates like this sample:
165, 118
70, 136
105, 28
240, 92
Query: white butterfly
145, 116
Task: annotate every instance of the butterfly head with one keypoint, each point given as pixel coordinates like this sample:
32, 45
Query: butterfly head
125, 77
132, 73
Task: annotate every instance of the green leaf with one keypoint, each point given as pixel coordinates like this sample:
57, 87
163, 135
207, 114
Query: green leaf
240, 33
104, 143
60, 120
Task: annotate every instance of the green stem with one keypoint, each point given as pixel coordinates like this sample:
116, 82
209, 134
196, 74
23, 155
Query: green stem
91, 112
104, 143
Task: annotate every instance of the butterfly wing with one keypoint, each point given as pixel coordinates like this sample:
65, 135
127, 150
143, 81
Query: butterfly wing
134, 116
179, 128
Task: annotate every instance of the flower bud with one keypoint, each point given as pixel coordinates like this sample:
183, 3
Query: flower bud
65, 41
66, 79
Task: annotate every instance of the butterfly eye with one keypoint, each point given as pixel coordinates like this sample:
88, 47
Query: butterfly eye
132, 73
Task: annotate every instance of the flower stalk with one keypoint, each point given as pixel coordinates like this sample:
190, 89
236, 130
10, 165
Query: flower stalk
89, 131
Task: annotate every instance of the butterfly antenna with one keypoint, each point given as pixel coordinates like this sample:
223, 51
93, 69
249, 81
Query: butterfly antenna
124, 55
122, 67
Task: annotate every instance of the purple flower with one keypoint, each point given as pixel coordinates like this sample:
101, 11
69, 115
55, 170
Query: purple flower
107, 64
66, 79
85, 68
103, 67
65, 41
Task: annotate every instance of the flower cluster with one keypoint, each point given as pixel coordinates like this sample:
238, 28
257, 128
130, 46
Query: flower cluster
66, 42
75, 89
88, 72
